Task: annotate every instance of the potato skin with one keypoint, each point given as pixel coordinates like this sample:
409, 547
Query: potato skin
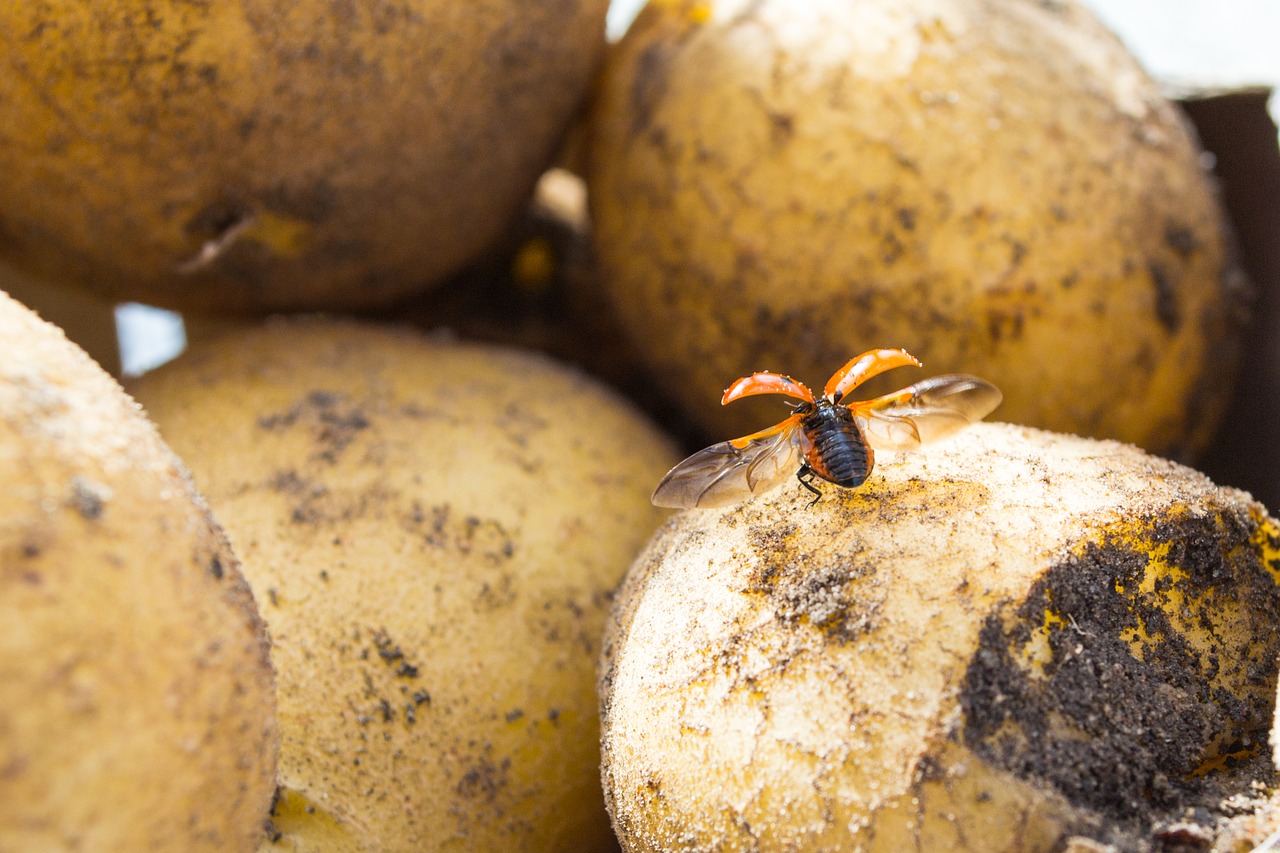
994, 645
996, 187
137, 707
258, 155
436, 528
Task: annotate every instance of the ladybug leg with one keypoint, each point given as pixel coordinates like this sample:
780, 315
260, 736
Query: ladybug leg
805, 475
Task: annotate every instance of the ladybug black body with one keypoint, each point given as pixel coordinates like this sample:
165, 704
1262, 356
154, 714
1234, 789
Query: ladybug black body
834, 448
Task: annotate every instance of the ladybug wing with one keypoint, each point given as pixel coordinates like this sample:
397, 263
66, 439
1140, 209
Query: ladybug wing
730, 471
925, 412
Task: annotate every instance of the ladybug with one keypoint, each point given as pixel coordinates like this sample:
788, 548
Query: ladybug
826, 437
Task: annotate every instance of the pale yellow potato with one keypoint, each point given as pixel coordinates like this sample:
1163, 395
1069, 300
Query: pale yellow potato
995, 186
1005, 641
136, 696
435, 529
264, 155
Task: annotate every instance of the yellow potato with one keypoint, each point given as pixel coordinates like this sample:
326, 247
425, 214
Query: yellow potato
264, 155
996, 187
436, 529
136, 696
997, 644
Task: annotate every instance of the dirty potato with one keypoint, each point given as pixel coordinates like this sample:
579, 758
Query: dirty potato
136, 697
1014, 638
995, 186
434, 529
260, 155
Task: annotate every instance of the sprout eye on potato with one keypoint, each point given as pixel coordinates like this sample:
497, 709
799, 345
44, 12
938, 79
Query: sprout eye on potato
1017, 638
434, 529
995, 186
137, 706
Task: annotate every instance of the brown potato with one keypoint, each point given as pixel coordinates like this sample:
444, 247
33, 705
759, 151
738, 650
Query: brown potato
996, 187
260, 155
136, 696
997, 644
435, 528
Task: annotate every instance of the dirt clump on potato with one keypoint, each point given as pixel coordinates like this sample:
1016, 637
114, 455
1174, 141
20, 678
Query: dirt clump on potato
999, 644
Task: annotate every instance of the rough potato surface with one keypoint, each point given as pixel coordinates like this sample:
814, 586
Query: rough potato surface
259, 155
435, 529
995, 186
136, 696
1007, 640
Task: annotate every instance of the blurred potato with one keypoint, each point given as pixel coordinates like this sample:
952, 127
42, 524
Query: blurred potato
436, 529
257, 155
137, 707
994, 186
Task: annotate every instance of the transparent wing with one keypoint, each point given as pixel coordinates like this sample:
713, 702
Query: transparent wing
925, 412
727, 472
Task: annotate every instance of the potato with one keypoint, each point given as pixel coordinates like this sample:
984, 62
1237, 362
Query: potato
260, 155
436, 528
996, 187
994, 645
136, 696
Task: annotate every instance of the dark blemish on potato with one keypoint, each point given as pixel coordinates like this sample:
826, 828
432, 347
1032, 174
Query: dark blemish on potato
891, 249
649, 85
273, 596
484, 780
929, 769
217, 218
30, 550
1181, 239
388, 650
32, 578
215, 568
333, 420
310, 202
1005, 324
907, 218
554, 716
406, 670
421, 697
513, 715
1166, 302
1098, 683
782, 127
88, 498
486, 538
1017, 251
498, 595
1183, 837
287, 482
